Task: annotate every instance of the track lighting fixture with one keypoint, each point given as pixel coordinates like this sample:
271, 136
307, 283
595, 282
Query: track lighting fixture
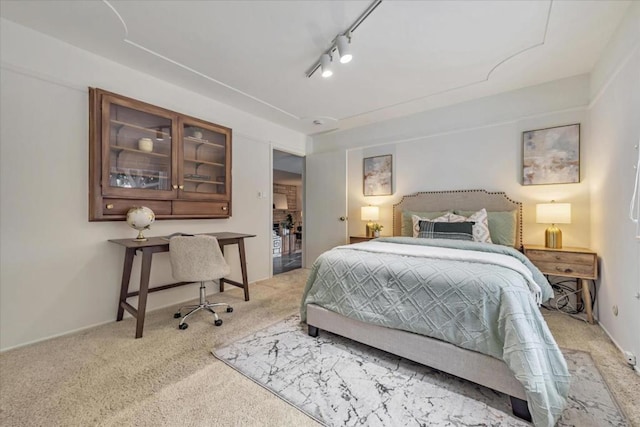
325, 63
341, 44
343, 49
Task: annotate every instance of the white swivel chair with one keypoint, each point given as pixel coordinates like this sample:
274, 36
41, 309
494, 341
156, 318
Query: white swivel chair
198, 259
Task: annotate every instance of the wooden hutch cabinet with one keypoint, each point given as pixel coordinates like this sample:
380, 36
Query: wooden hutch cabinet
143, 155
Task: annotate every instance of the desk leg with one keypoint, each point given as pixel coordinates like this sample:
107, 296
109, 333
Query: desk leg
222, 279
243, 267
145, 274
126, 278
586, 299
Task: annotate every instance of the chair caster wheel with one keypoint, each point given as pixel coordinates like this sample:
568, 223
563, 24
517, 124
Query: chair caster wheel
229, 309
183, 326
177, 315
218, 322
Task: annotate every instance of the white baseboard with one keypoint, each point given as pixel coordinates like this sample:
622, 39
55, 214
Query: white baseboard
126, 316
24, 344
620, 349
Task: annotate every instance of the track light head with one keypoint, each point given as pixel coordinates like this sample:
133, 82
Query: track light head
343, 49
325, 63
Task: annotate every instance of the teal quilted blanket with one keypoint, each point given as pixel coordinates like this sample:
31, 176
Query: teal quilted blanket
459, 296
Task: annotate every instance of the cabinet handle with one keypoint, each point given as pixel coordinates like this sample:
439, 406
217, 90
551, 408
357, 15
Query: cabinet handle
109, 205
564, 270
224, 208
181, 187
175, 186
557, 258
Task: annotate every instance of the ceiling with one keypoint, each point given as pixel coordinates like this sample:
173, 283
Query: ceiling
408, 56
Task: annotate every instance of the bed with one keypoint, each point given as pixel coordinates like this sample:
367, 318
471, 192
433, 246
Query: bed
425, 300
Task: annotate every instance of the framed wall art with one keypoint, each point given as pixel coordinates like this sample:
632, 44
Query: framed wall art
551, 155
378, 175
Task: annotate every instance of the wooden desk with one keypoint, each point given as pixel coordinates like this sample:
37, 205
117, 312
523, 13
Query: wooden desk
161, 244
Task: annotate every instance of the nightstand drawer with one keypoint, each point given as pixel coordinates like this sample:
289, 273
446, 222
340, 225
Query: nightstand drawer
561, 257
565, 269
567, 262
358, 239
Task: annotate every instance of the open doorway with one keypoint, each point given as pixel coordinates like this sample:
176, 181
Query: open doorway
288, 227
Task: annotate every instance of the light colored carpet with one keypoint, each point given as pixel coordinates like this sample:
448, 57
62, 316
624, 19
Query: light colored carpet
344, 383
102, 376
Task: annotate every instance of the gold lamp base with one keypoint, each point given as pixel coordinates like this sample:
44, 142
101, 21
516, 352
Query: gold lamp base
553, 237
369, 230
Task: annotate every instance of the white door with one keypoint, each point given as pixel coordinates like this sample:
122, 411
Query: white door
325, 212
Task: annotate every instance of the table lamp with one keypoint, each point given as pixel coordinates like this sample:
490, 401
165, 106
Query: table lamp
280, 201
553, 213
370, 214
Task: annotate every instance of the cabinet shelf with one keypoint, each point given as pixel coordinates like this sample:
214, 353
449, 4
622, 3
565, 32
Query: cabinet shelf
117, 171
203, 142
152, 131
200, 181
202, 162
133, 150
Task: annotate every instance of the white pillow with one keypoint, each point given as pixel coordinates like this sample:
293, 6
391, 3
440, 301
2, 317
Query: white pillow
480, 226
416, 221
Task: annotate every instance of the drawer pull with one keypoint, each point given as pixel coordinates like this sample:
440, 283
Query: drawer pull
564, 270
110, 206
557, 258
224, 208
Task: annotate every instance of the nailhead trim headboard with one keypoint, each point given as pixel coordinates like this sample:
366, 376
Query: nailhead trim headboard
468, 200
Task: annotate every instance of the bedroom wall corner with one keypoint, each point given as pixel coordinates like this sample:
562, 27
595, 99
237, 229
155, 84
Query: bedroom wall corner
614, 134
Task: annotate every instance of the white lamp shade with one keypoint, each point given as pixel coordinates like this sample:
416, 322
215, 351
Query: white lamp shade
553, 213
280, 201
369, 213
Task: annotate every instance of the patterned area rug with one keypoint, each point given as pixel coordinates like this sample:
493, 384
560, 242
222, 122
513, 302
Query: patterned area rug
340, 382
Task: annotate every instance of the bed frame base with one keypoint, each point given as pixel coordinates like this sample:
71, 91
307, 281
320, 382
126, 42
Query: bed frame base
443, 356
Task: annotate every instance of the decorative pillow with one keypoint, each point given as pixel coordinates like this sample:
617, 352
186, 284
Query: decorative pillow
407, 223
502, 226
446, 230
416, 221
480, 227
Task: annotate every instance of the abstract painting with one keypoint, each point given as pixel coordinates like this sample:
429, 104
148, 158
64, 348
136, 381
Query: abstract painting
551, 155
378, 175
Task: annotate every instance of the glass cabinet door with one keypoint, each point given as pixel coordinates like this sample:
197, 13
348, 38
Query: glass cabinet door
204, 157
138, 156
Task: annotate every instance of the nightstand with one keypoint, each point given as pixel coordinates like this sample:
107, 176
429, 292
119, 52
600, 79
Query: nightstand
358, 239
578, 263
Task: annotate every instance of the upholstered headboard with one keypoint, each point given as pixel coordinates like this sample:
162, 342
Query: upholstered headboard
464, 200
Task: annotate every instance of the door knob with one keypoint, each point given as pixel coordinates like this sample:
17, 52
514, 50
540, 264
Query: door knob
342, 218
